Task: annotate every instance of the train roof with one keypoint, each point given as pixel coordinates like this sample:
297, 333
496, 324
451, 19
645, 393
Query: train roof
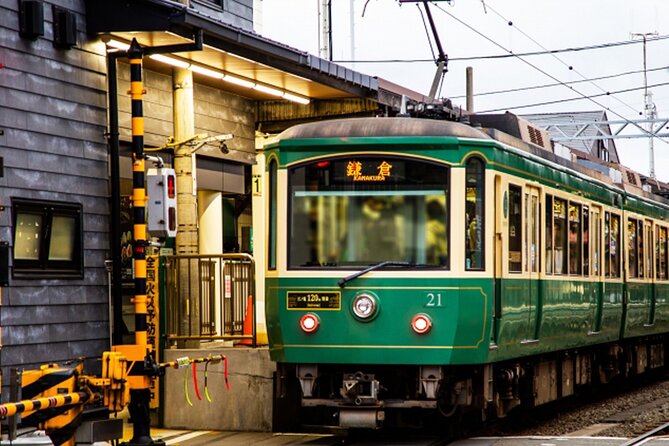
370, 127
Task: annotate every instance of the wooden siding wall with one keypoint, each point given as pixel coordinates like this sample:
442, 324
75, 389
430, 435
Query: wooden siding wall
53, 113
238, 13
216, 112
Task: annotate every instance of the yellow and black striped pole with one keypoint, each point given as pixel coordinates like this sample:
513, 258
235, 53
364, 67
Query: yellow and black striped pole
34, 405
138, 379
138, 191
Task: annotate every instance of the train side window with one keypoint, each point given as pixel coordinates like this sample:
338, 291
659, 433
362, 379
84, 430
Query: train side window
661, 254
560, 235
586, 241
632, 248
575, 239
648, 235
515, 229
474, 208
613, 245
596, 242
271, 238
549, 234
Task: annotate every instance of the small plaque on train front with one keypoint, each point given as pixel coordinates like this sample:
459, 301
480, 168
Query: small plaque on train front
314, 300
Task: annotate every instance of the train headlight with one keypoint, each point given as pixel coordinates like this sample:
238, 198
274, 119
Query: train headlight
421, 323
364, 306
310, 322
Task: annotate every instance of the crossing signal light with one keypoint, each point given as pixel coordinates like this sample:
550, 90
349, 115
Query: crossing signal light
162, 203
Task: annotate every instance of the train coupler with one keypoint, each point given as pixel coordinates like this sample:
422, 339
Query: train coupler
360, 389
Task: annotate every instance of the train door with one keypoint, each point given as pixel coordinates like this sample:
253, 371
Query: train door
531, 244
595, 266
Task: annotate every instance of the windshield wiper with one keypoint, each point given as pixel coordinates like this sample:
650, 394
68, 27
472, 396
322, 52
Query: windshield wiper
342, 282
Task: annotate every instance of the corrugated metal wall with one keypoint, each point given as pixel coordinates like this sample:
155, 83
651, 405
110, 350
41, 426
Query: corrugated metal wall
53, 113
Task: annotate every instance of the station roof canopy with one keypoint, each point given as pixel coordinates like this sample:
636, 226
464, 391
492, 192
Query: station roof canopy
233, 52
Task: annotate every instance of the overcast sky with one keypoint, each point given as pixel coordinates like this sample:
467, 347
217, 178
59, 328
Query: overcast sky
471, 28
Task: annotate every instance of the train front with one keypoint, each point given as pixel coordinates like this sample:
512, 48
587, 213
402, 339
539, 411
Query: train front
368, 312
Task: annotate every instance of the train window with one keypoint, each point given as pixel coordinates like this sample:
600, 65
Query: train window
349, 212
48, 239
534, 228
596, 241
515, 229
661, 254
632, 248
575, 239
586, 241
648, 236
474, 206
271, 238
560, 235
549, 234
612, 244
640, 249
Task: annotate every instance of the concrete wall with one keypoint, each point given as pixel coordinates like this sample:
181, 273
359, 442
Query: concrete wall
53, 114
247, 406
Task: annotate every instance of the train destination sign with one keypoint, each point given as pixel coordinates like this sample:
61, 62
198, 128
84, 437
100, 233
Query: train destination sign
314, 300
362, 172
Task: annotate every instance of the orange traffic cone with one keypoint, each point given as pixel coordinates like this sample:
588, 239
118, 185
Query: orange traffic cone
248, 323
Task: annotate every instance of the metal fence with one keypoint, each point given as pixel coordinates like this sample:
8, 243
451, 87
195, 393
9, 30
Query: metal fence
210, 297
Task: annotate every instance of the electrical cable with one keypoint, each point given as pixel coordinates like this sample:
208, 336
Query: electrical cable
206, 387
190, 403
545, 73
195, 384
570, 67
510, 53
559, 101
536, 87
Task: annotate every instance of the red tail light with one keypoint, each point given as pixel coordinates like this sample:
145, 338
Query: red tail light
310, 322
421, 323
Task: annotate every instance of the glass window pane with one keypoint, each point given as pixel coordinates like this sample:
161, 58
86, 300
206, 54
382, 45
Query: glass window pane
271, 238
615, 246
560, 234
549, 234
632, 247
474, 192
515, 228
575, 234
586, 241
28, 236
61, 245
358, 212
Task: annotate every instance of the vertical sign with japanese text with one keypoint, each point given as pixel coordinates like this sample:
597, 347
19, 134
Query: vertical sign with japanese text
152, 321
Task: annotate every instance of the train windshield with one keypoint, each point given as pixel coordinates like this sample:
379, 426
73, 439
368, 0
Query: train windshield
358, 211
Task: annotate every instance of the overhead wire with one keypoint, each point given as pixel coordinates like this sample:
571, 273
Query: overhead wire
580, 98
569, 66
545, 73
511, 54
536, 87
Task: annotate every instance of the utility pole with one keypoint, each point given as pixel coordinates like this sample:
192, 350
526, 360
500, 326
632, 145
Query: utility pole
325, 25
184, 166
650, 110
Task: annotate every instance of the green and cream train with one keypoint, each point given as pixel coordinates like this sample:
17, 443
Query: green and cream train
419, 268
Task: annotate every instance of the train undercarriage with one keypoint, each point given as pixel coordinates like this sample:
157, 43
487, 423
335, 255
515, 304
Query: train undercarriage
375, 396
